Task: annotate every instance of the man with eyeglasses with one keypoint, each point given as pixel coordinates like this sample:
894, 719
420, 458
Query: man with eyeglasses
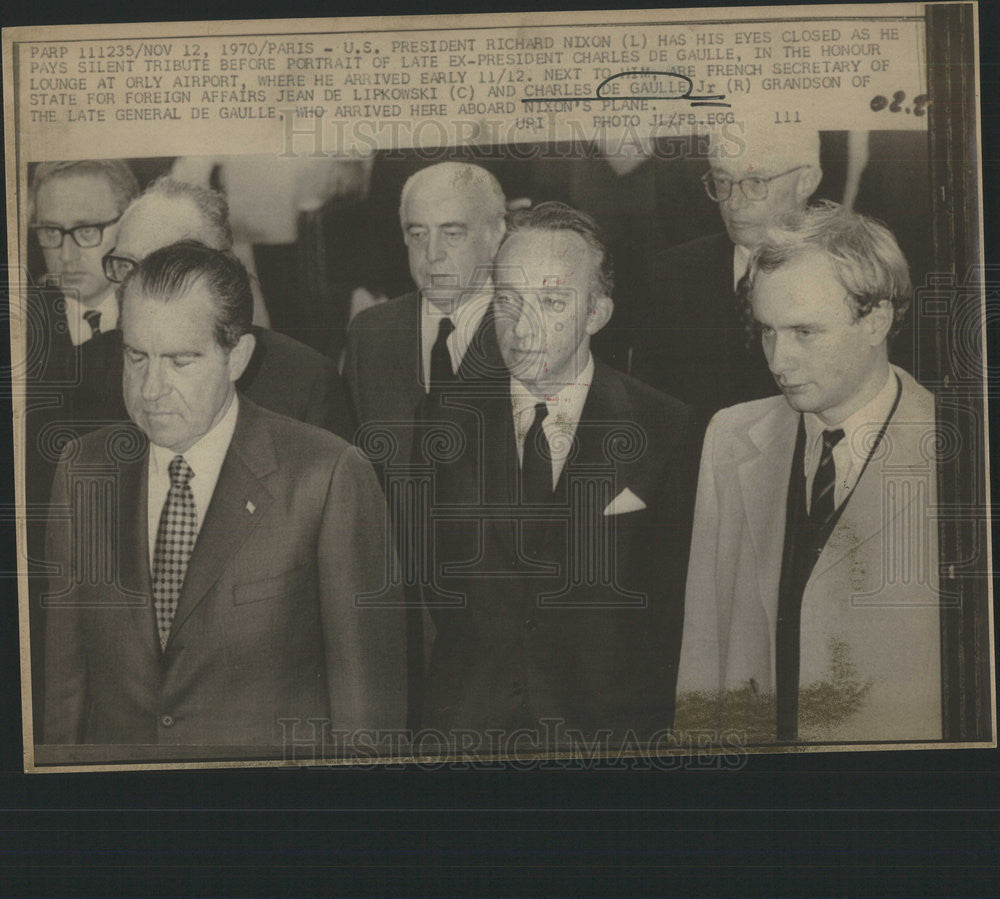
75, 208
698, 344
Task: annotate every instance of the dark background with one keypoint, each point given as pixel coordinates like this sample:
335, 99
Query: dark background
886, 823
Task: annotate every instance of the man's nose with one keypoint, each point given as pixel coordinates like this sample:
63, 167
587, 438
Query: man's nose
154, 381
737, 199
435, 247
528, 326
781, 355
69, 251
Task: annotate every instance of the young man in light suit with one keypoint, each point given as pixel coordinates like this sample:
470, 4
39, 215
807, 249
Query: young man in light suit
812, 610
213, 564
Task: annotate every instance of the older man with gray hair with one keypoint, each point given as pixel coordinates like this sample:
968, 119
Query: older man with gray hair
452, 220
695, 344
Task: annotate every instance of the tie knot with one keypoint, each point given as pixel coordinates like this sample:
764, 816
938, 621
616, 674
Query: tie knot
445, 327
832, 438
93, 318
180, 472
541, 412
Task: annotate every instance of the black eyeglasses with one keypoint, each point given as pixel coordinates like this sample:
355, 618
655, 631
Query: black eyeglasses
754, 188
51, 237
117, 268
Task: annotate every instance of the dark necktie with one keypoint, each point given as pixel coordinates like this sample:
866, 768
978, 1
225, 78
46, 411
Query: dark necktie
441, 372
175, 540
821, 507
93, 318
536, 467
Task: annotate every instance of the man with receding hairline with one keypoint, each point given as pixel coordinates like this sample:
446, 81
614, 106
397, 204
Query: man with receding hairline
223, 597
452, 220
558, 564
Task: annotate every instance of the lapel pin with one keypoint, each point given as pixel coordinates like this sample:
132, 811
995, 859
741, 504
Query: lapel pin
251, 508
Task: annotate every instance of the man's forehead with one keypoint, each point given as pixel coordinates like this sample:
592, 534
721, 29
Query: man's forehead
85, 190
763, 162
544, 258
806, 280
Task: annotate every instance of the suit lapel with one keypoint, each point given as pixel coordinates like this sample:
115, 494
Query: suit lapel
499, 465
763, 477
133, 555
482, 359
239, 502
874, 503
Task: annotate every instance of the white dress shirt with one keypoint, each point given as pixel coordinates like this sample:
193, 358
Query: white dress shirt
79, 329
851, 453
564, 411
205, 459
741, 262
466, 320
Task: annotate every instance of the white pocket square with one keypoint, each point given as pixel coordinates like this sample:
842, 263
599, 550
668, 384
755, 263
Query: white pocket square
626, 501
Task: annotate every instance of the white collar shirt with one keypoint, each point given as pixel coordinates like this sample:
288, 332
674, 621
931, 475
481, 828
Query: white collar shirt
79, 328
741, 262
851, 453
205, 459
466, 320
560, 424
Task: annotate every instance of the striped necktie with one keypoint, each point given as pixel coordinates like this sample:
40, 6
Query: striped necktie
821, 507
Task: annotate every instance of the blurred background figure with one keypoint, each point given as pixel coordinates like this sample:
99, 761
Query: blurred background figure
277, 211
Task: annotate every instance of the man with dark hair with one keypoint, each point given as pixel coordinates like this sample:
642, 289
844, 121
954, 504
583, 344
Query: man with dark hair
231, 554
282, 375
561, 525
812, 610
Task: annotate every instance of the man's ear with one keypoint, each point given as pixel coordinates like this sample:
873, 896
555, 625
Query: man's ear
498, 235
239, 356
879, 322
809, 179
599, 312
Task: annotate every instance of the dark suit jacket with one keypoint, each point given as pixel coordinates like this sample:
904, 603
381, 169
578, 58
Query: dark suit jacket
692, 345
51, 374
591, 636
384, 376
284, 376
272, 627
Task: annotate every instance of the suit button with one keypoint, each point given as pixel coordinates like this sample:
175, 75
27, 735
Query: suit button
530, 624
167, 721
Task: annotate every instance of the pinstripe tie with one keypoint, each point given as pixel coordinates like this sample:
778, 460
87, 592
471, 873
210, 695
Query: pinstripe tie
821, 507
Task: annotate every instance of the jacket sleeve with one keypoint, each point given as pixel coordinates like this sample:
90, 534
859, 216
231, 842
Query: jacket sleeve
362, 613
350, 374
65, 690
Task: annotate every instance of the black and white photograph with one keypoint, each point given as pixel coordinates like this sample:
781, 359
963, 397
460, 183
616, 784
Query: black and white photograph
526, 386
